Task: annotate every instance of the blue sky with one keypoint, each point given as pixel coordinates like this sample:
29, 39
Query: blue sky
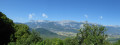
106, 12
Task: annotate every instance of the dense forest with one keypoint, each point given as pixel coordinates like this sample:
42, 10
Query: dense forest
20, 34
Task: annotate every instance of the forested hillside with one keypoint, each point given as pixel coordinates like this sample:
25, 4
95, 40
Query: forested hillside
19, 34
7, 29
44, 33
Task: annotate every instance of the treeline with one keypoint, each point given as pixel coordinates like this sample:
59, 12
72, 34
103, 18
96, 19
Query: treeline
19, 34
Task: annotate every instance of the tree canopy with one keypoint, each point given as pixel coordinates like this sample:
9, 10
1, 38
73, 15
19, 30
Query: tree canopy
6, 29
92, 34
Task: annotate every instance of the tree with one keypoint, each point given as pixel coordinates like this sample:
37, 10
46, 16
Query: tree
24, 36
91, 35
22, 31
6, 29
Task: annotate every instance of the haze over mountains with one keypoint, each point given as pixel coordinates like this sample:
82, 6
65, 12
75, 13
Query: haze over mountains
68, 27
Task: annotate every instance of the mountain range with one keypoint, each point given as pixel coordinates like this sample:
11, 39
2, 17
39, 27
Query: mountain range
67, 27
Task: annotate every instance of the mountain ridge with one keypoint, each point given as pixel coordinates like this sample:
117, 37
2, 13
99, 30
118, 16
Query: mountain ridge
68, 26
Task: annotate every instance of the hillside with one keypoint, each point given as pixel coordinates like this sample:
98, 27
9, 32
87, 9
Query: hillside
46, 33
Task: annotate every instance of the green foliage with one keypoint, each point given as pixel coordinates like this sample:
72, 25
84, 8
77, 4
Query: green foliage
92, 34
6, 29
117, 43
55, 41
67, 41
70, 41
21, 31
24, 36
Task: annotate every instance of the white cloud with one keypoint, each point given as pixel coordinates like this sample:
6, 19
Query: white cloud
101, 17
44, 15
31, 16
86, 16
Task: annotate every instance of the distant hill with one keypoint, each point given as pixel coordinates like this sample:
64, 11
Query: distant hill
46, 33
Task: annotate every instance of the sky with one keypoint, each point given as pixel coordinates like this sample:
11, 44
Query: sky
105, 12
